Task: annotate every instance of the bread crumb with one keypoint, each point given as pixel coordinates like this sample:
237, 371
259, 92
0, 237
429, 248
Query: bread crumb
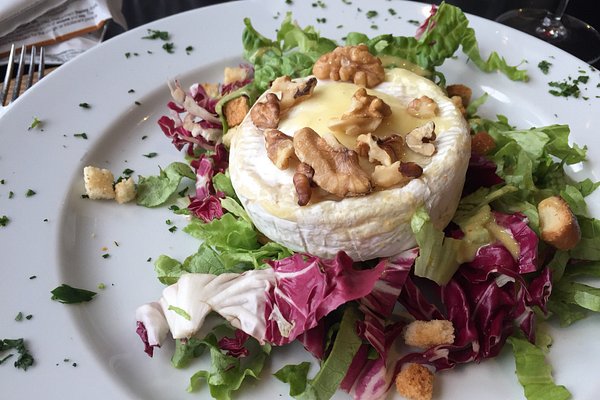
235, 110
425, 334
98, 183
125, 191
558, 226
415, 382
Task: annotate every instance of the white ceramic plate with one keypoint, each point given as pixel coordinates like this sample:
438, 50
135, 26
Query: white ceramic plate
67, 248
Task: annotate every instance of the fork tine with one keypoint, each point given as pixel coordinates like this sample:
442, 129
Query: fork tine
31, 69
41, 65
8, 76
20, 69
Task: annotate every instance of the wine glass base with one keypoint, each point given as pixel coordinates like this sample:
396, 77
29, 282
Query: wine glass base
577, 37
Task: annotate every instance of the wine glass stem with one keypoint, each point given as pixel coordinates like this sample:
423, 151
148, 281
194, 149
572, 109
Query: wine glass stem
551, 27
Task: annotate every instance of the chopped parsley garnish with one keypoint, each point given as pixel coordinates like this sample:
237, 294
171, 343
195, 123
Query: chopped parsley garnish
154, 34
188, 50
340, 26
174, 208
348, 2
374, 26
35, 124
150, 155
25, 359
169, 47
149, 259
2, 181
84, 105
105, 255
11, 194
19, 316
33, 277
81, 135
127, 55
371, 14
289, 2
169, 222
45, 220
319, 4
30, 193
583, 78
392, 11
128, 171
4, 220
69, 295
172, 229
101, 286
544, 66
321, 20
28, 317
131, 91
137, 103
144, 137
414, 22
568, 87
85, 196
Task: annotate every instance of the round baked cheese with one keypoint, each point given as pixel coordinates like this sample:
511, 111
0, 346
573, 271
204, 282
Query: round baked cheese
365, 227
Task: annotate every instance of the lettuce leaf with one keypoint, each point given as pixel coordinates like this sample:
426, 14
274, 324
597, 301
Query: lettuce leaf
534, 373
296, 375
154, 191
227, 373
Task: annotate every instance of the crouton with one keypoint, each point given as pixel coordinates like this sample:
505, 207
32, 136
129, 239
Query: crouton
234, 74
415, 382
211, 89
457, 101
98, 183
425, 334
464, 92
125, 191
558, 225
482, 143
235, 110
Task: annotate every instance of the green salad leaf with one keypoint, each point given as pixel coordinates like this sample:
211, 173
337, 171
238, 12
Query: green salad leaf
154, 191
70, 295
534, 373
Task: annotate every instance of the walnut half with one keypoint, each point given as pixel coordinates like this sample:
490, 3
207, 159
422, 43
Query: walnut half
280, 148
365, 114
291, 92
337, 170
302, 182
266, 113
384, 151
419, 139
350, 64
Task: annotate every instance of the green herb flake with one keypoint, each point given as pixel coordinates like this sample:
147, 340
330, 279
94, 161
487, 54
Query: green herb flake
319, 4
374, 26
69, 295
392, 11
101, 286
85, 105
127, 55
144, 137
180, 312
105, 255
19, 316
36, 123
4, 220
583, 79
173, 229
566, 88
154, 34
169, 47
149, 259
28, 317
347, 2
131, 91
32, 277
150, 155
544, 66
85, 196
81, 135
137, 103
11, 194
321, 20
174, 208
188, 50
30, 193
2, 182
371, 14
414, 22
128, 171
289, 2
25, 359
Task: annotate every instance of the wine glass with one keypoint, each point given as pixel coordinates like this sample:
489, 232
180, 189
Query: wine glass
562, 30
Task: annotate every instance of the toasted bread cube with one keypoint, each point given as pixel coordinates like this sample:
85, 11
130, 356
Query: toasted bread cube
235, 110
415, 382
482, 143
558, 225
125, 191
212, 89
425, 334
464, 92
98, 183
234, 74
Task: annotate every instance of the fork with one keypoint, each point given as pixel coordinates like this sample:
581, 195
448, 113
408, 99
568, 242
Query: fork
16, 90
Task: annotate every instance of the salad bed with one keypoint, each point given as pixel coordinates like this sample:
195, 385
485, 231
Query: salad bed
490, 300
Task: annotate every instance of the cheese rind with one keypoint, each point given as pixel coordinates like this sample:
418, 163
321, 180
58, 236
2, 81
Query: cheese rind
367, 227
